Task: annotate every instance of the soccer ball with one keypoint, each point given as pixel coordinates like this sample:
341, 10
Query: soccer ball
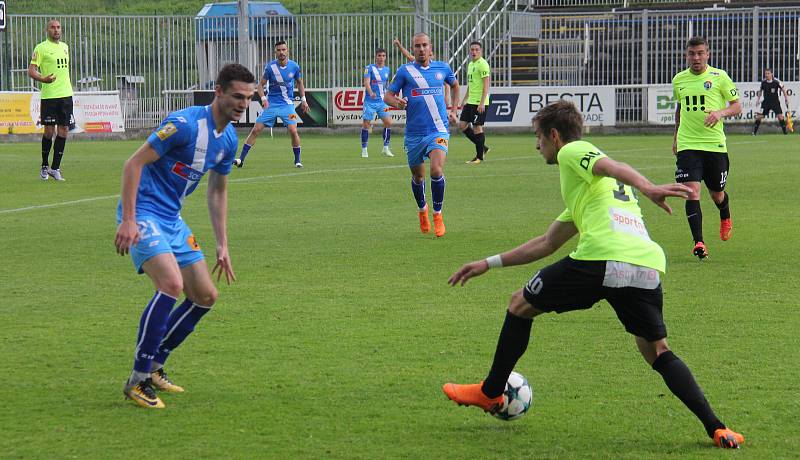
517, 398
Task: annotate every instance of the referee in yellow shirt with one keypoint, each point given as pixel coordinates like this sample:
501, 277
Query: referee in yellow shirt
475, 102
50, 66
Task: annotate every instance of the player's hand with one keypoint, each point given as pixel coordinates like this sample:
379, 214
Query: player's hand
481, 108
49, 79
223, 265
402, 103
396, 42
304, 106
238, 163
658, 194
127, 236
712, 119
470, 270
265, 104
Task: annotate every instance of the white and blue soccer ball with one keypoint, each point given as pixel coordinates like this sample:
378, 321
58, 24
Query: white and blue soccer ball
517, 398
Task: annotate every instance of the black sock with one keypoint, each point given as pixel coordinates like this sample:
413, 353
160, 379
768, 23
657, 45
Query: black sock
511, 345
46, 144
783, 125
58, 151
681, 383
479, 145
755, 127
470, 135
695, 216
724, 210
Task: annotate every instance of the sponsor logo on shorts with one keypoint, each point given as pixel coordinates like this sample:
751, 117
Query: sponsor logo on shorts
166, 131
292, 116
187, 172
441, 141
153, 243
193, 242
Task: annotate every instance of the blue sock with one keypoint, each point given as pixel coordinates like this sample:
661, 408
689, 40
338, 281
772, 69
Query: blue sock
296, 151
437, 193
245, 149
419, 193
181, 323
364, 138
152, 327
387, 136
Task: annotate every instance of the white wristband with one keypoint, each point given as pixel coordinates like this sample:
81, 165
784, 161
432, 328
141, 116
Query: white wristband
303, 99
264, 98
494, 261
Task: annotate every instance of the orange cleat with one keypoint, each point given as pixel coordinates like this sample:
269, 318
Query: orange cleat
700, 250
725, 438
438, 224
424, 222
472, 395
725, 229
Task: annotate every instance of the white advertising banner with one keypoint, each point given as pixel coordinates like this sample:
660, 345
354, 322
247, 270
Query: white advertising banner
510, 107
92, 113
661, 104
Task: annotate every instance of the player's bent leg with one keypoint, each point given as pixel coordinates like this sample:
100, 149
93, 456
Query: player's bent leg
295, 137
725, 222
387, 136
251, 138
437, 190
365, 127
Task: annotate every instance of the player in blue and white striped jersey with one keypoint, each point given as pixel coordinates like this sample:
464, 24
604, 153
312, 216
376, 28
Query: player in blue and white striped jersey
376, 78
278, 78
427, 127
156, 180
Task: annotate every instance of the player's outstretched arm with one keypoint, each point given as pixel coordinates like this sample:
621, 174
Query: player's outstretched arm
407, 54
538, 248
656, 193
218, 212
127, 231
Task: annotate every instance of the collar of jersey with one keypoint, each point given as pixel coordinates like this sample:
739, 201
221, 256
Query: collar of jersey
217, 134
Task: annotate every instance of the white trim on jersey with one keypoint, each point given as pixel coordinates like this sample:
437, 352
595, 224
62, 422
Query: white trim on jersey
200, 152
279, 79
377, 74
430, 101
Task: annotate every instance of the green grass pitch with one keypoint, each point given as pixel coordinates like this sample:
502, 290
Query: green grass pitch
336, 338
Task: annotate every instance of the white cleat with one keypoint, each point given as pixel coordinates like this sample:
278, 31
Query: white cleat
364, 153
298, 165
387, 152
55, 174
43, 175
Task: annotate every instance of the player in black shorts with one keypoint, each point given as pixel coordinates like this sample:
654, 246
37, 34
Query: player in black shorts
771, 88
476, 101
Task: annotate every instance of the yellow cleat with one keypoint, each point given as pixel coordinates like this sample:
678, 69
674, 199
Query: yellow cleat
144, 395
163, 383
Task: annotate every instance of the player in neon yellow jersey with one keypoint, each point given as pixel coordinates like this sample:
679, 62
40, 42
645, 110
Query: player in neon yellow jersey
615, 260
705, 96
476, 101
50, 67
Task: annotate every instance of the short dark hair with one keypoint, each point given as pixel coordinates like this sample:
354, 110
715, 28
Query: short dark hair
768, 70
476, 43
697, 41
279, 43
234, 72
379, 51
562, 116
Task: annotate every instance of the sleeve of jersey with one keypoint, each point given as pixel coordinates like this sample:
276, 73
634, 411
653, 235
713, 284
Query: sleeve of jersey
298, 72
485, 71
579, 161
450, 78
172, 133
366, 72
35, 58
397, 82
565, 216
728, 89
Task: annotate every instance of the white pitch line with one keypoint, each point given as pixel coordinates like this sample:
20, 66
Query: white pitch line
55, 205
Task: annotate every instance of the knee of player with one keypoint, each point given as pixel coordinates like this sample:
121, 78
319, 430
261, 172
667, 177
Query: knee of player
519, 306
173, 287
208, 298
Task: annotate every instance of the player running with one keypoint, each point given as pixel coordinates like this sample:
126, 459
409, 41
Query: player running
615, 260
422, 83
376, 78
155, 181
771, 88
279, 77
705, 96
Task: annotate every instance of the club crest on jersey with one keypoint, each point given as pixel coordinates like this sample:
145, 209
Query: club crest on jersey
290, 75
439, 76
707, 84
417, 92
185, 171
220, 156
166, 131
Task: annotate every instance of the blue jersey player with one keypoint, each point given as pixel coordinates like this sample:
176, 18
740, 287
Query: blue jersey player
422, 83
279, 77
155, 181
376, 78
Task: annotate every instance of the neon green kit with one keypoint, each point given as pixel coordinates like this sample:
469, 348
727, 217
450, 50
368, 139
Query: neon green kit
606, 212
53, 58
698, 95
476, 72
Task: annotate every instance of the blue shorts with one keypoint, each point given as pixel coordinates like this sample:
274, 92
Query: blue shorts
285, 112
158, 236
418, 148
371, 108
